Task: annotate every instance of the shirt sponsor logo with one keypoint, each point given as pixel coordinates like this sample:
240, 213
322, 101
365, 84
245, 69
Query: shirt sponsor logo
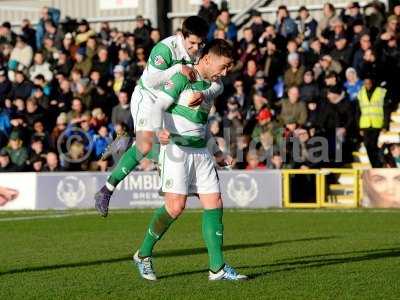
169, 84
159, 60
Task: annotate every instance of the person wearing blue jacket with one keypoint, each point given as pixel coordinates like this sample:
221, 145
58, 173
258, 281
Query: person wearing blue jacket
48, 13
224, 23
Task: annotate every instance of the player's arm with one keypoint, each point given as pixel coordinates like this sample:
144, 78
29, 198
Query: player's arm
209, 94
168, 94
221, 158
160, 66
215, 90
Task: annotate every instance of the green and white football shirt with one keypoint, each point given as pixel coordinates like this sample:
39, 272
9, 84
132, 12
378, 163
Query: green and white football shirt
187, 125
169, 54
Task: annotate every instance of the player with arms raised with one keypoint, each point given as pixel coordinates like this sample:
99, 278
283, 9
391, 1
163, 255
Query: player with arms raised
187, 166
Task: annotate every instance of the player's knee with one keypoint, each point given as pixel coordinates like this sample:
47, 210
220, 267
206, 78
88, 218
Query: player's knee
144, 146
175, 209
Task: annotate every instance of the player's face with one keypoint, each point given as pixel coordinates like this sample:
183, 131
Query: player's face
193, 44
217, 66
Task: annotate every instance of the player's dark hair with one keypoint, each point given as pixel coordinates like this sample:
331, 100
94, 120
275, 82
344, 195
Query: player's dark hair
218, 47
195, 25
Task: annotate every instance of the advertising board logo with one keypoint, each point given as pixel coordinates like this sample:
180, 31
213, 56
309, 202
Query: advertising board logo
242, 189
71, 191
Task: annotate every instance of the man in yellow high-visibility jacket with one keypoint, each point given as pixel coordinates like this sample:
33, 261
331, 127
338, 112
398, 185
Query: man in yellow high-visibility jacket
371, 106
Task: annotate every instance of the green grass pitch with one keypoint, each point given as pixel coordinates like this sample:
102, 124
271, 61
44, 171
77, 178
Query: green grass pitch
294, 254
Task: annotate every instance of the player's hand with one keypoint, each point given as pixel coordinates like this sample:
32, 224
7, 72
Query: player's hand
188, 72
163, 136
228, 160
196, 99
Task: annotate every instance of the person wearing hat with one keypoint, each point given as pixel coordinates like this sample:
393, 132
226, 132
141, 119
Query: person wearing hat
208, 11
351, 14
16, 151
371, 105
337, 121
141, 32
307, 26
342, 52
264, 118
258, 24
294, 74
120, 82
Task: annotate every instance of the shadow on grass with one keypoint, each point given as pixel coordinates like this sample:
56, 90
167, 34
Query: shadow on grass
323, 260
168, 253
299, 263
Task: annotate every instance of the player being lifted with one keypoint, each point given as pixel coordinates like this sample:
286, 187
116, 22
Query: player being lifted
173, 54
187, 166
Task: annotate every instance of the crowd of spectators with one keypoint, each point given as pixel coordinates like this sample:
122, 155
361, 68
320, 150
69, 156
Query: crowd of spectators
292, 96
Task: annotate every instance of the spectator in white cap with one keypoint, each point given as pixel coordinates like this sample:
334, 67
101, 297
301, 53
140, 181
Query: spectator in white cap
294, 74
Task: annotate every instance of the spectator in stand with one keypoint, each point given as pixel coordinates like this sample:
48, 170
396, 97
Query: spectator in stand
84, 32
306, 26
353, 84
258, 25
371, 102
5, 85
141, 32
309, 89
292, 108
21, 57
121, 113
294, 74
253, 161
7, 36
337, 121
392, 158
40, 66
284, 24
223, 22
341, 52
47, 13
16, 151
324, 23
83, 63
29, 33
102, 64
208, 11
52, 163
365, 44
6, 164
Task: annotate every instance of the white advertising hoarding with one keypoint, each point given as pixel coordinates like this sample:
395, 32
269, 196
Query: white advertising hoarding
17, 191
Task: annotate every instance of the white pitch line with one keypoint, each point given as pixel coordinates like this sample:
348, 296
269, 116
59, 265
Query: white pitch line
75, 214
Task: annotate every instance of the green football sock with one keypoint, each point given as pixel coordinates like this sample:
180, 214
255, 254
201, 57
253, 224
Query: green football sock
128, 162
159, 224
213, 231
